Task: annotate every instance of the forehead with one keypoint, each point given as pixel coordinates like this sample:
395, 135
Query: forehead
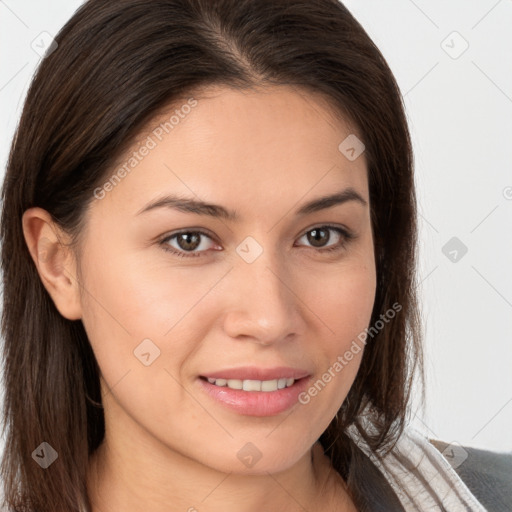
254, 146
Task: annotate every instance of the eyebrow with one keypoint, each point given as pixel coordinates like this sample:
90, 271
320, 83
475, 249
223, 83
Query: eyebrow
189, 205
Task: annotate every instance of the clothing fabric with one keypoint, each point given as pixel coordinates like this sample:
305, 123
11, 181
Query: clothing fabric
420, 475
433, 486
487, 474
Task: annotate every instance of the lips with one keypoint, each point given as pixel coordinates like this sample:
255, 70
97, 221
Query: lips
255, 391
254, 373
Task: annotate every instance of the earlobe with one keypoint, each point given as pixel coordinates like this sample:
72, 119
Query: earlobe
54, 260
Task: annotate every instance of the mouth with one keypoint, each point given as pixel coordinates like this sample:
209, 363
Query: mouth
255, 392
252, 384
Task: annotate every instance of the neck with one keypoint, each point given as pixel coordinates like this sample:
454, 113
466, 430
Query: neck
129, 480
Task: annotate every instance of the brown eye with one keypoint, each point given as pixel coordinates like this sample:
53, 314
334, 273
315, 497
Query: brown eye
188, 243
318, 237
321, 236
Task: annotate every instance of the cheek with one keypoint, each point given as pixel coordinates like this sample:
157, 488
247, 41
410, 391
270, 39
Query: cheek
127, 295
344, 304
135, 299
344, 300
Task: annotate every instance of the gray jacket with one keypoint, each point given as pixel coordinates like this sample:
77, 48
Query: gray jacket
487, 474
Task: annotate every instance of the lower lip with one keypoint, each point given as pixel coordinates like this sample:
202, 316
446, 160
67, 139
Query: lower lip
256, 403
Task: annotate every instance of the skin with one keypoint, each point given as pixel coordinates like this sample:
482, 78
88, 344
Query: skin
169, 446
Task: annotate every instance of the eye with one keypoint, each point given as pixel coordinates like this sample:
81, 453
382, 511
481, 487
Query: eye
186, 242
192, 243
320, 236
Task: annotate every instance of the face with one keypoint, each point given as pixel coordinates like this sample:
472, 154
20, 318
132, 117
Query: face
259, 291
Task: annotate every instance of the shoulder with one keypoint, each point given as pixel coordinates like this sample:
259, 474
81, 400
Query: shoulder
487, 474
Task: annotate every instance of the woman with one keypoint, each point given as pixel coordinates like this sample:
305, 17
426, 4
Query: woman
208, 252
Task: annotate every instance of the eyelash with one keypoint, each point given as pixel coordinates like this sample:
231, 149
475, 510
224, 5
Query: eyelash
346, 237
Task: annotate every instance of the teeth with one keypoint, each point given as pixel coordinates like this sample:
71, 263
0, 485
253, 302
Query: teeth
253, 385
269, 385
235, 384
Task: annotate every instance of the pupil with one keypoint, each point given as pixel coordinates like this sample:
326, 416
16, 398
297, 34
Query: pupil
188, 241
318, 235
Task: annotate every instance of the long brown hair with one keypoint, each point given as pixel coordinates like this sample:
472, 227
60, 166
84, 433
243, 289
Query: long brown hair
118, 63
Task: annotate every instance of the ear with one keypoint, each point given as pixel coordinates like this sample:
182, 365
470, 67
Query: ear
54, 260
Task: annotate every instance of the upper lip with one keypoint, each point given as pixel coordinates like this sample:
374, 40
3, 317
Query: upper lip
255, 373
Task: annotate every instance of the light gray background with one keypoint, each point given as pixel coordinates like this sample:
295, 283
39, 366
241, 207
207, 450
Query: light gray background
459, 107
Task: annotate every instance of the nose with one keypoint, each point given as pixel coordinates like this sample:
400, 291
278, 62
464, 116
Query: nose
263, 307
